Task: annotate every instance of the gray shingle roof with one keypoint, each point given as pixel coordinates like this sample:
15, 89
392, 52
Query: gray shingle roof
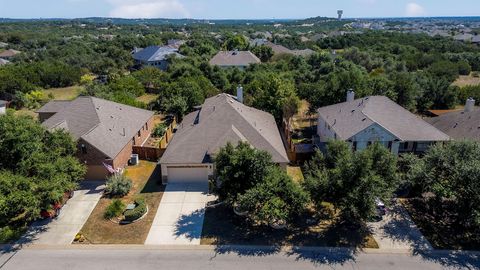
53, 106
349, 118
234, 58
155, 53
223, 119
106, 125
459, 125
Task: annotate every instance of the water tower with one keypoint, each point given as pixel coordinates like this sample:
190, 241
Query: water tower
340, 13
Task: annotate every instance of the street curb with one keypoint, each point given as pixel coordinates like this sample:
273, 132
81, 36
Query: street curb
235, 248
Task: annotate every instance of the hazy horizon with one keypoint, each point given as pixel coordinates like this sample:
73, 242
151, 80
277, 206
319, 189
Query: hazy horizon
235, 10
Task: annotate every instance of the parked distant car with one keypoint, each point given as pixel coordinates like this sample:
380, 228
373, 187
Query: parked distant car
381, 208
54, 211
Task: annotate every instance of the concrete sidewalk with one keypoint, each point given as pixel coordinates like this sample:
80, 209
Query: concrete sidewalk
74, 214
398, 231
179, 218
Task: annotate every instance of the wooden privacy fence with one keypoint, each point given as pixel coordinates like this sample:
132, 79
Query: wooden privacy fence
155, 153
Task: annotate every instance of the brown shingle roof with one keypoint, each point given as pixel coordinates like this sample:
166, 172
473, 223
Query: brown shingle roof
223, 119
234, 58
106, 125
9, 53
349, 118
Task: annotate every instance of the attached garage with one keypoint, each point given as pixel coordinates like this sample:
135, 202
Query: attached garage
187, 175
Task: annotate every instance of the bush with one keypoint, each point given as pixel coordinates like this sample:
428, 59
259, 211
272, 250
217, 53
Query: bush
9, 234
118, 185
159, 130
115, 209
137, 212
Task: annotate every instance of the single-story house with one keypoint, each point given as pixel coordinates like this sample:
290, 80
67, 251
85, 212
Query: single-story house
3, 107
8, 54
460, 125
221, 119
239, 59
155, 56
280, 49
106, 131
376, 119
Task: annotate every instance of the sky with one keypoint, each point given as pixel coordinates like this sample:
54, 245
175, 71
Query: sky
237, 9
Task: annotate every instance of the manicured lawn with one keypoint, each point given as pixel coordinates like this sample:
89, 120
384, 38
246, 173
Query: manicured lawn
98, 230
222, 227
66, 93
295, 173
438, 225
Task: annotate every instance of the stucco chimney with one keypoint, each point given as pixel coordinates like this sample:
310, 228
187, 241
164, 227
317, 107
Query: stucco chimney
470, 104
240, 94
350, 95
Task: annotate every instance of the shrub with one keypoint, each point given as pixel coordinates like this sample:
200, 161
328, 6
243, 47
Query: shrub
159, 130
118, 185
137, 212
8, 234
115, 209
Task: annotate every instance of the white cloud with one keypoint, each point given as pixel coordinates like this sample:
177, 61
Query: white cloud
414, 10
148, 9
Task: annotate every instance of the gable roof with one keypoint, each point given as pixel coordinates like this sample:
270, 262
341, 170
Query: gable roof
9, 53
234, 58
155, 53
106, 125
459, 125
349, 118
223, 119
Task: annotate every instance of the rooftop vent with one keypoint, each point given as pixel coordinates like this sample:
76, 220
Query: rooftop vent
350, 95
470, 105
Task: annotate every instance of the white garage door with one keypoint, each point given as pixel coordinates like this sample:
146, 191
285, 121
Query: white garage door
187, 175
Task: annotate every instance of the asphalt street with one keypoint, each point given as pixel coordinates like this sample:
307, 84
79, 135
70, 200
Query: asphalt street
231, 258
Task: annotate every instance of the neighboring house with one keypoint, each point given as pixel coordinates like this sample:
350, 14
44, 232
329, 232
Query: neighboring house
460, 125
3, 107
280, 49
3, 62
376, 119
239, 59
106, 131
221, 119
175, 43
8, 54
155, 56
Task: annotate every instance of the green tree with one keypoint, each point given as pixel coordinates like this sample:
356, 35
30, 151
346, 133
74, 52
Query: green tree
236, 42
263, 52
276, 198
352, 181
240, 168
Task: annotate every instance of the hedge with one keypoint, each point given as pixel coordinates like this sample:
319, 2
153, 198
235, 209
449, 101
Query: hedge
137, 212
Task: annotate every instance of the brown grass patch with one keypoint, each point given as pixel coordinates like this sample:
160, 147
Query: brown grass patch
222, 227
464, 80
66, 93
295, 173
148, 98
146, 183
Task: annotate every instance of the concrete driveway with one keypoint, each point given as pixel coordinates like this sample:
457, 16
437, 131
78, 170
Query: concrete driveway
397, 231
62, 230
179, 218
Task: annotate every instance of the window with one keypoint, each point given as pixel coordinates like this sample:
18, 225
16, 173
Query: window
146, 125
369, 143
354, 146
390, 145
405, 145
84, 148
139, 133
133, 141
